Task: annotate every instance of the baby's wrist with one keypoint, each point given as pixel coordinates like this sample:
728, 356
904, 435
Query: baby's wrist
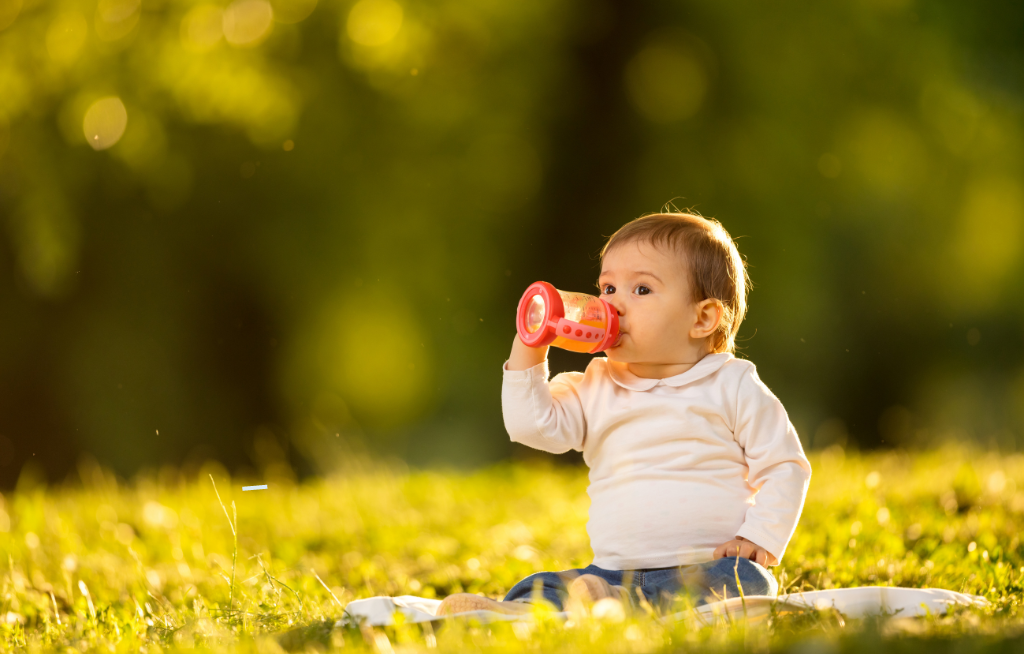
524, 357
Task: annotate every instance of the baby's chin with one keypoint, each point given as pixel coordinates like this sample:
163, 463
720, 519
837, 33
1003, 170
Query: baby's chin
620, 353
625, 351
621, 357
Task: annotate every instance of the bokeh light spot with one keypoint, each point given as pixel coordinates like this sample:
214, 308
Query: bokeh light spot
989, 240
954, 112
368, 350
202, 28
292, 11
105, 122
247, 22
117, 11
9, 10
888, 153
45, 238
374, 22
116, 18
288, 145
66, 36
387, 381
143, 144
666, 83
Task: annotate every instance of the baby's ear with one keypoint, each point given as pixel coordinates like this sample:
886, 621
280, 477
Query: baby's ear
709, 316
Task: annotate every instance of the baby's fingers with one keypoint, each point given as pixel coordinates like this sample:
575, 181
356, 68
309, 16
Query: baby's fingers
746, 550
756, 554
760, 556
731, 548
739, 549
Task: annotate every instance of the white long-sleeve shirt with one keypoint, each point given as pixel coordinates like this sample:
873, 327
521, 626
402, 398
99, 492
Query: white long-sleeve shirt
678, 466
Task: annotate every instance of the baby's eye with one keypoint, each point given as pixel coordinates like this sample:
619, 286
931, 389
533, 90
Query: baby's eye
608, 289
642, 290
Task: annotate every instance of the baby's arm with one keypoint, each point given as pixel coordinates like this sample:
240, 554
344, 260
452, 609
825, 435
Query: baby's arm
524, 357
776, 466
544, 415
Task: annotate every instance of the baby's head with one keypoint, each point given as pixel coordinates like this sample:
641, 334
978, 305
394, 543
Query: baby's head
679, 285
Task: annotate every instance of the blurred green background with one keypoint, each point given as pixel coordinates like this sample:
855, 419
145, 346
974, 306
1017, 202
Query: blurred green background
275, 233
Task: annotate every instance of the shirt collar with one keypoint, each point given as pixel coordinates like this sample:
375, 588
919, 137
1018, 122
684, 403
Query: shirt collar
624, 378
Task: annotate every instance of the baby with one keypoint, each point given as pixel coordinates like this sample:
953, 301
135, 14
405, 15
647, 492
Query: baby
697, 476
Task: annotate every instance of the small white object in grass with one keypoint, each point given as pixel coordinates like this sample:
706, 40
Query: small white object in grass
263, 487
608, 609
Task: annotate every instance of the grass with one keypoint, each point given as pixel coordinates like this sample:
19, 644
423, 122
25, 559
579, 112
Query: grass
166, 563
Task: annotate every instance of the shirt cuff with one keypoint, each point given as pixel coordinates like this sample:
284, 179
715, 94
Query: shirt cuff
537, 373
763, 539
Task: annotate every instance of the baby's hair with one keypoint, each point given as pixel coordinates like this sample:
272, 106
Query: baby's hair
714, 265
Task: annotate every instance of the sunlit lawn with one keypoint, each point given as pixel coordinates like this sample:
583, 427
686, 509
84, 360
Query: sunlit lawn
147, 566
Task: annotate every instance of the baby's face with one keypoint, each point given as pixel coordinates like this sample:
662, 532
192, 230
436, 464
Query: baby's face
649, 287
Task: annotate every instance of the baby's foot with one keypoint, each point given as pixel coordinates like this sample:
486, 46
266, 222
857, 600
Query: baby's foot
589, 589
592, 596
464, 602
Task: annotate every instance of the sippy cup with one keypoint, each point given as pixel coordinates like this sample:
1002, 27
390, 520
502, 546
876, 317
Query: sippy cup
571, 321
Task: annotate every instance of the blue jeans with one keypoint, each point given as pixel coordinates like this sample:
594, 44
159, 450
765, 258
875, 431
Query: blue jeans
702, 582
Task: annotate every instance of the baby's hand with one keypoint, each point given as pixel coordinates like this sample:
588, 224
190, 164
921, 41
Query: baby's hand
741, 547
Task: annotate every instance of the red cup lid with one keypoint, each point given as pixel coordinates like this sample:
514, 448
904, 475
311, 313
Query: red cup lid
553, 311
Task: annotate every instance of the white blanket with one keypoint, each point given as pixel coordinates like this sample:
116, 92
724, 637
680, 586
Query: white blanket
851, 602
